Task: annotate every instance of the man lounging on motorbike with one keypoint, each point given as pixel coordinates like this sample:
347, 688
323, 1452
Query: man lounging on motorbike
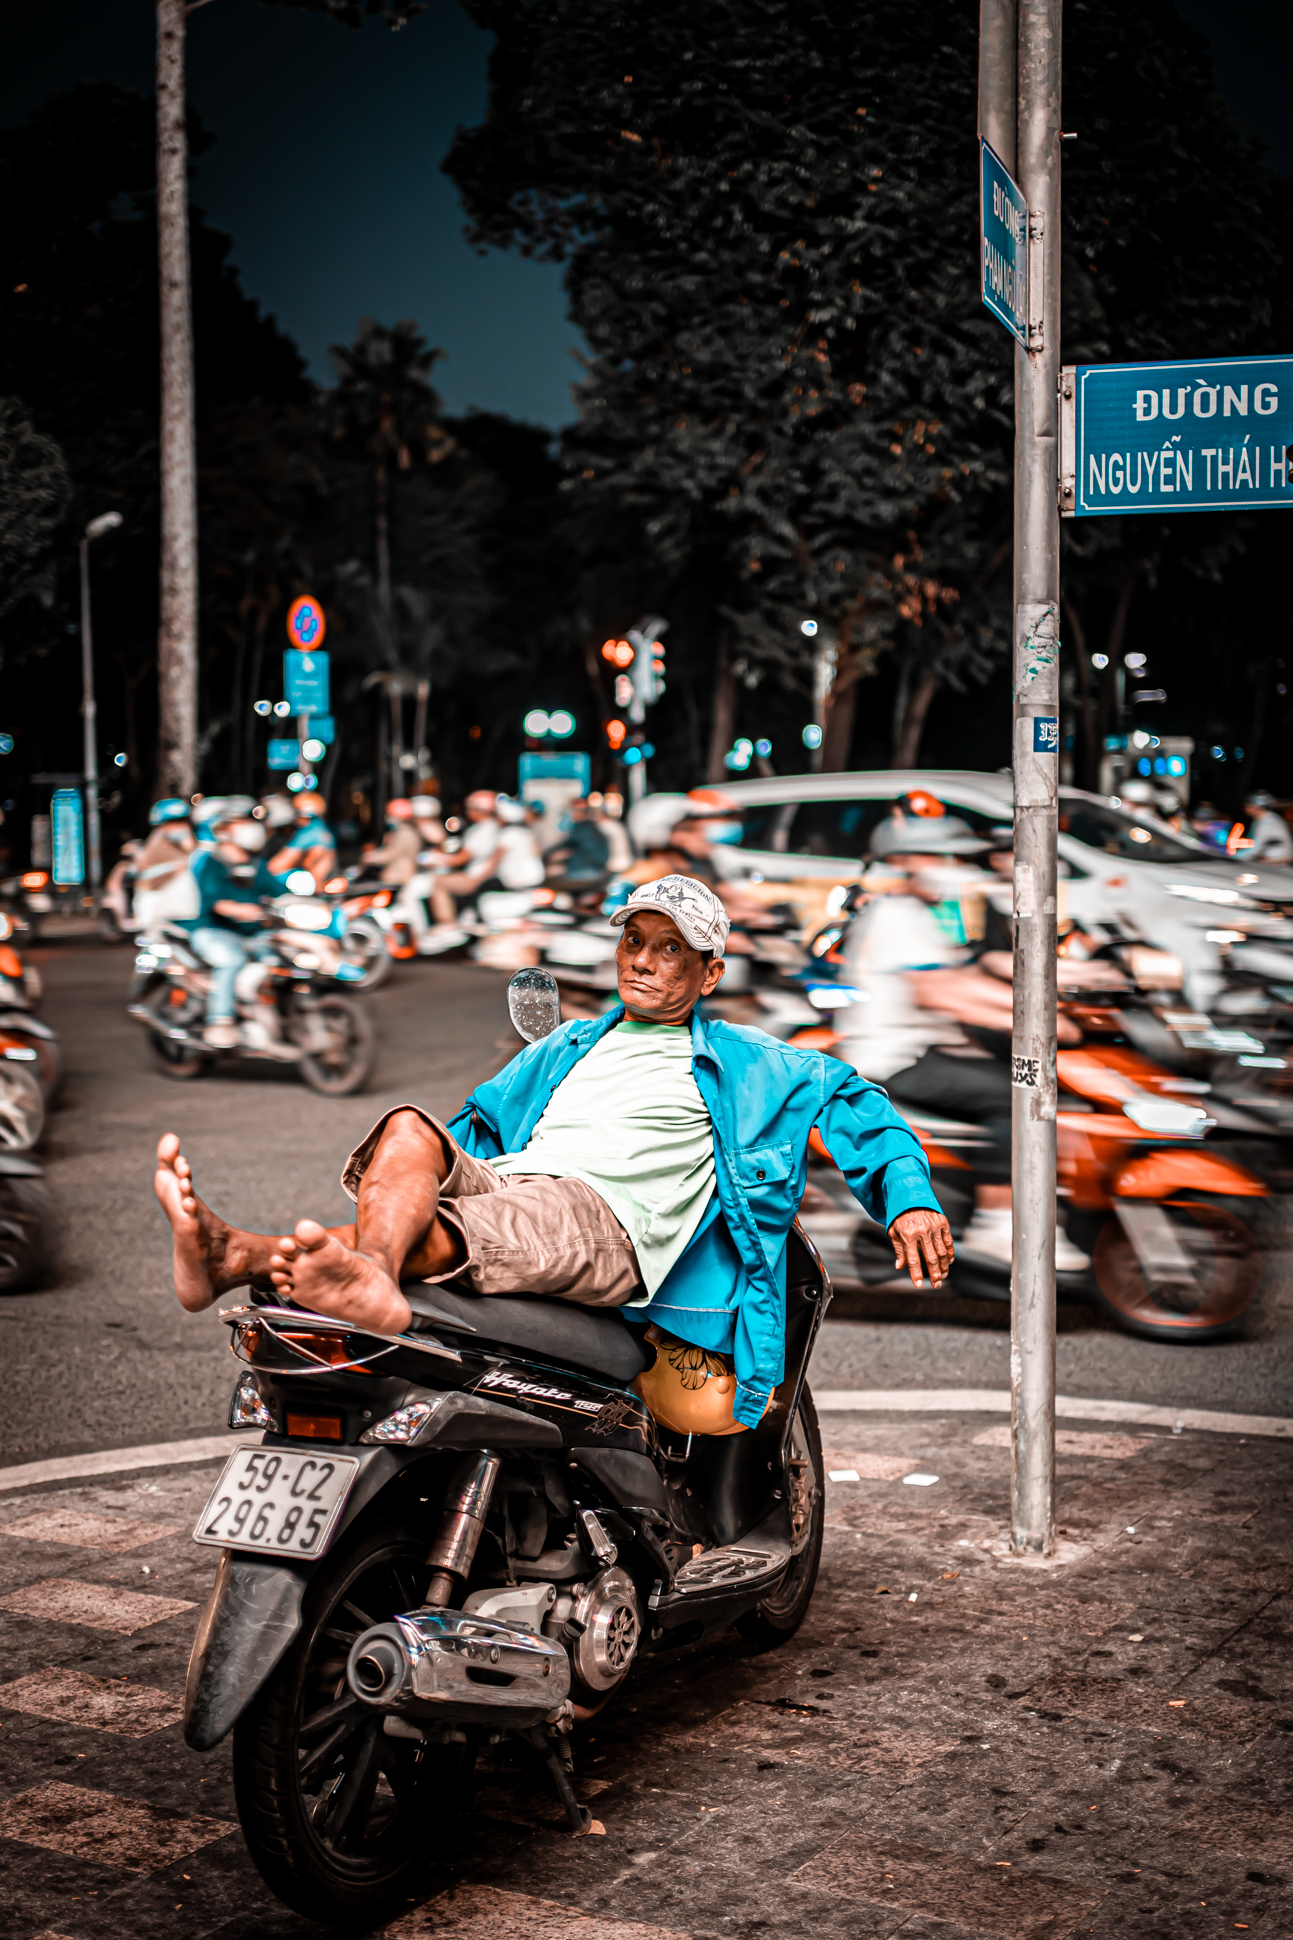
647, 1159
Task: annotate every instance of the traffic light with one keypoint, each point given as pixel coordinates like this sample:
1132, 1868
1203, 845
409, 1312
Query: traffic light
615, 733
648, 660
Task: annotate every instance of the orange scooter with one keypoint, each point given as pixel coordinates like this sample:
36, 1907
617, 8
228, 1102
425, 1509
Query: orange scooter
1170, 1257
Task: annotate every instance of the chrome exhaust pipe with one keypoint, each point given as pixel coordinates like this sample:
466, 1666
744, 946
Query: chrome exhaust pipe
451, 1664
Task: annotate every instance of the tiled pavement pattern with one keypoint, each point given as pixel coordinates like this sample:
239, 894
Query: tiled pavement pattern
955, 1745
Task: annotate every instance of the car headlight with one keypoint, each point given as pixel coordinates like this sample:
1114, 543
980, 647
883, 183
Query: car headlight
405, 1425
247, 1406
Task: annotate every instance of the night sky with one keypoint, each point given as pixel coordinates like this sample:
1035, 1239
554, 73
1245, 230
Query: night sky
325, 170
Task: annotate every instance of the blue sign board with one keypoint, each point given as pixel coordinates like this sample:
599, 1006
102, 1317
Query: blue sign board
1196, 436
68, 818
323, 728
556, 767
1003, 243
305, 682
284, 754
1046, 734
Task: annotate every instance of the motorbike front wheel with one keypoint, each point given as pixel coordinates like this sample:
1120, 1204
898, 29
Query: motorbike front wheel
22, 1107
342, 1820
366, 940
176, 1056
25, 1220
781, 1612
1227, 1265
345, 1064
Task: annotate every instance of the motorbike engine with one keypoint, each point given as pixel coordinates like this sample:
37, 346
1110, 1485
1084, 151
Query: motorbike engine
601, 1626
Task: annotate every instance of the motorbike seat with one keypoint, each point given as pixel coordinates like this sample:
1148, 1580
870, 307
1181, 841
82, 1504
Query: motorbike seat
600, 1341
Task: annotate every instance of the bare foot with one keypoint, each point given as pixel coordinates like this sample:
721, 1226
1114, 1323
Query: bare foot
209, 1256
318, 1271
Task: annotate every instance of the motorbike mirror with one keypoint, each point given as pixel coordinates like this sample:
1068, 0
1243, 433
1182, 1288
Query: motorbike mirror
533, 1004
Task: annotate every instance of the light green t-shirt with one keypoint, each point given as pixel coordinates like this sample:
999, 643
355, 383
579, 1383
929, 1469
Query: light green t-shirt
630, 1122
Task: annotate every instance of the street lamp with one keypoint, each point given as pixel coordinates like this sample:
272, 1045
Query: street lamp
107, 522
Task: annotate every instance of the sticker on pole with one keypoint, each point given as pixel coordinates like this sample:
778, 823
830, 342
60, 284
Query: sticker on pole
1003, 244
1046, 734
1026, 1071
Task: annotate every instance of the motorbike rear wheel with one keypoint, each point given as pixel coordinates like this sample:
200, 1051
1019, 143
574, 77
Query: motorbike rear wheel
1208, 1307
341, 1820
781, 1612
26, 1214
347, 1064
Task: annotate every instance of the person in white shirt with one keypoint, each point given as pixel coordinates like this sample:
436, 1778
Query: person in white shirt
1271, 837
468, 870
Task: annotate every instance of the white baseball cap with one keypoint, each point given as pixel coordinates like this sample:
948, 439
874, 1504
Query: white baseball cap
689, 903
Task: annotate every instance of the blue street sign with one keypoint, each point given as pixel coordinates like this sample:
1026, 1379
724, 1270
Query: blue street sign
323, 728
69, 837
1197, 436
1046, 734
305, 682
1003, 243
284, 754
556, 767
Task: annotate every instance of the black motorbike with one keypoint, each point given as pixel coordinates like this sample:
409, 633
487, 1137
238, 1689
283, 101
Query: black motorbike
465, 1535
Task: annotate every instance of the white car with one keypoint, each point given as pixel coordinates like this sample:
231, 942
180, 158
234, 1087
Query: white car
1120, 865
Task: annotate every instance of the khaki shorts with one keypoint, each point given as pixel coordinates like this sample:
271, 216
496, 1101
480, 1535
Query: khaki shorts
527, 1234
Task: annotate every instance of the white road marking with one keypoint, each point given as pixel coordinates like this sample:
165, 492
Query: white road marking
100, 1605
487, 1913
866, 1466
111, 1461
996, 1401
1073, 1441
72, 1526
106, 1830
72, 1697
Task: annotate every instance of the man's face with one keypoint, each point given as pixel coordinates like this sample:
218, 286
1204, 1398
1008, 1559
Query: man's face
660, 974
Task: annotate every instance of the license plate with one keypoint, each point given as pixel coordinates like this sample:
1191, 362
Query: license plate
281, 1501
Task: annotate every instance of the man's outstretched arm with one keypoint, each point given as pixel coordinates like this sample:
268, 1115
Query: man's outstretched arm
887, 1172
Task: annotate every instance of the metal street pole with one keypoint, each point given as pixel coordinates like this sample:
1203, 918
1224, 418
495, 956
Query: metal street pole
89, 707
1036, 757
998, 108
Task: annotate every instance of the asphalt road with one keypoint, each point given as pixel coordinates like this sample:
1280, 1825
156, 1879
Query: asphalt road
101, 1356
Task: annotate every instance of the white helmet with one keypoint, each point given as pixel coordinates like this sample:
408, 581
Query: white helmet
653, 820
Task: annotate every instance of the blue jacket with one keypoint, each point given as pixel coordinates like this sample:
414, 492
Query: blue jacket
728, 1291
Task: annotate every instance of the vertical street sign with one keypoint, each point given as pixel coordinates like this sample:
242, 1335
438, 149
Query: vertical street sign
1003, 243
283, 754
1201, 435
305, 682
69, 837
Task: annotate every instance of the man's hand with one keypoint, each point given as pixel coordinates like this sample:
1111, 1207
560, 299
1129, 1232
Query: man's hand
922, 1230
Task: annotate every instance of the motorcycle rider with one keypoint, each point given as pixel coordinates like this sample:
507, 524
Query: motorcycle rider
937, 1027
396, 856
650, 1158
466, 871
1268, 832
312, 845
231, 876
160, 867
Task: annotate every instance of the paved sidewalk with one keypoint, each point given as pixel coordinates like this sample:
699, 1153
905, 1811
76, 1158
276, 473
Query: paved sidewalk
956, 1744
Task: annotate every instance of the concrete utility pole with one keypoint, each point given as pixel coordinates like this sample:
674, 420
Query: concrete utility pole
1037, 656
177, 645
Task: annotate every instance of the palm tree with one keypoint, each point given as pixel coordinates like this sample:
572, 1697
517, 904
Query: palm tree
385, 406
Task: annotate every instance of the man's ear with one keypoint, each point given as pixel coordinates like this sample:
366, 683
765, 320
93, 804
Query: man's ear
713, 976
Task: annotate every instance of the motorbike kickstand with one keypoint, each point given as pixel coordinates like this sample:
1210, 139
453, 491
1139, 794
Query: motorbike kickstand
579, 1816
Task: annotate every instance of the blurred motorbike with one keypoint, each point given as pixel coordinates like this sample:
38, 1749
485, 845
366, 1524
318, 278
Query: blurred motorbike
289, 1007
